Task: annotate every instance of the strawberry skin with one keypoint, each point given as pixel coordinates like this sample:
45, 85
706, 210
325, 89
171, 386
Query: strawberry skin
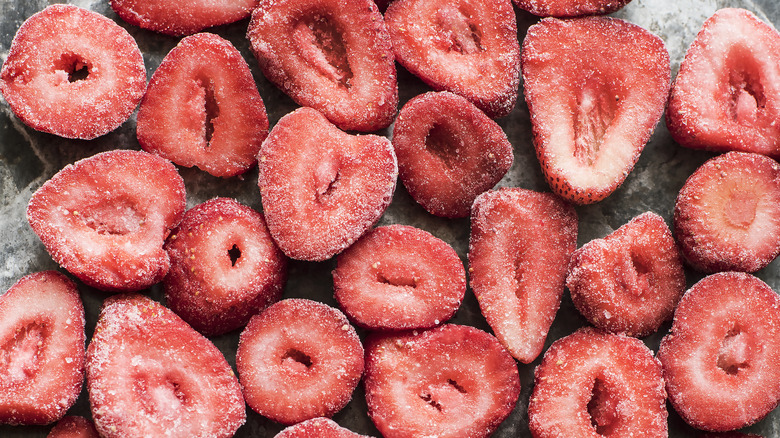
570, 8
181, 17
318, 428
73, 427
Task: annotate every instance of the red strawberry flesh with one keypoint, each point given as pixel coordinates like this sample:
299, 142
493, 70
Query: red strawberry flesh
181, 17
570, 8
317, 428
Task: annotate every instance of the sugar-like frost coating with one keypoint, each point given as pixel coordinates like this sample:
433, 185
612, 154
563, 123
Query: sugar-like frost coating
181, 17
318, 427
570, 8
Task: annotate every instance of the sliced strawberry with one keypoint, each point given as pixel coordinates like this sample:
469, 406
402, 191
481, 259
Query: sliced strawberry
519, 250
182, 17
299, 359
105, 218
593, 384
630, 281
150, 374
451, 381
595, 88
468, 47
59, 79
448, 152
332, 55
318, 428
725, 96
41, 349
218, 120
721, 359
322, 188
73, 427
727, 215
570, 8
399, 277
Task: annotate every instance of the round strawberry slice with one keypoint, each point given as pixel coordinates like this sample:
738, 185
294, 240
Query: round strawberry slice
182, 17
570, 8
299, 359
59, 78
451, 381
73, 427
399, 277
318, 428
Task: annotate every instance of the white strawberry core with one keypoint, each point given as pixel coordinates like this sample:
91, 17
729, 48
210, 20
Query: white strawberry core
734, 353
458, 32
741, 208
19, 356
320, 44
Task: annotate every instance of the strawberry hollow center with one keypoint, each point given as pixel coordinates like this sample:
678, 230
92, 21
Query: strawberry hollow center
634, 274
444, 144
71, 68
320, 43
741, 208
745, 89
327, 179
211, 109
112, 218
297, 361
458, 31
20, 357
597, 106
603, 409
440, 396
234, 253
162, 395
734, 352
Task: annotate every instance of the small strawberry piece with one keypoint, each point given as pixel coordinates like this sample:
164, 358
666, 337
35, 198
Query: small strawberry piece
595, 88
594, 384
332, 55
322, 188
73, 427
41, 349
105, 218
299, 359
150, 374
318, 428
451, 381
218, 121
570, 8
630, 281
60, 79
519, 250
727, 215
448, 152
182, 17
399, 277
468, 47
725, 96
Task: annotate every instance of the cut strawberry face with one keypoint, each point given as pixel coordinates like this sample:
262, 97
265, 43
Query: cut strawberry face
570, 8
318, 428
595, 88
73, 427
218, 121
727, 95
519, 250
105, 218
181, 17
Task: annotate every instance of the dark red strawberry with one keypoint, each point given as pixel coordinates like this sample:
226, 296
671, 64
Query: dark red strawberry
721, 359
570, 8
181, 17
41, 349
105, 218
595, 88
299, 359
73, 427
150, 374
519, 250
724, 97
448, 152
318, 428
202, 108
59, 78
468, 47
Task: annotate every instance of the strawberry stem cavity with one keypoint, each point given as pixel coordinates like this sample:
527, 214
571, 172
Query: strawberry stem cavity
234, 253
211, 108
443, 143
733, 353
114, 218
75, 67
602, 409
596, 108
745, 89
458, 31
297, 358
320, 43
19, 357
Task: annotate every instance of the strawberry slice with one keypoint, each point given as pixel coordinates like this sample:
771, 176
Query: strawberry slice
318, 428
570, 8
41, 349
519, 250
73, 427
181, 17
724, 97
721, 359
726, 214
150, 374
219, 119
595, 88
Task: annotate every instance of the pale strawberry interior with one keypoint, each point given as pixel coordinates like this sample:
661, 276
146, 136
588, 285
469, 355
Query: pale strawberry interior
746, 97
603, 409
458, 33
443, 395
162, 395
296, 361
20, 357
443, 143
734, 353
326, 179
597, 105
112, 218
320, 44
740, 208
634, 273
71, 68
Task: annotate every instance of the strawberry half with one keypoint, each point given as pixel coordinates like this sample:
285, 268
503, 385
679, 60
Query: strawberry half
73, 427
318, 428
181, 17
595, 88
570, 8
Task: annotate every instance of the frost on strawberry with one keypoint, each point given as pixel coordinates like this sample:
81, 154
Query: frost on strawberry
182, 17
570, 8
317, 428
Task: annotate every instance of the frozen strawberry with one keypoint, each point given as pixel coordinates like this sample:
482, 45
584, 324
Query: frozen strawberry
182, 17
595, 88
399, 277
318, 428
73, 73
519, 250
451, 381
150, 374
41, 349
105, 218
225, 267
468, 47
218, 120
727, 215
630, 281
725, 96
570, 8
332, 55
73, 427
299, 359
448, 152
593, 384
322, 188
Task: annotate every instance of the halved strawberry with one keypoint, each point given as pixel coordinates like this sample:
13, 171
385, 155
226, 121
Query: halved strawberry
721, 359
73, 427
448, 152
150, 374
59, 78
105, 218
468, 47
519, 250
727, 215
332, 55
41, 349
318, 428
322, 188
570, 8
181, 17
202, 108
595, 88
726, 95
